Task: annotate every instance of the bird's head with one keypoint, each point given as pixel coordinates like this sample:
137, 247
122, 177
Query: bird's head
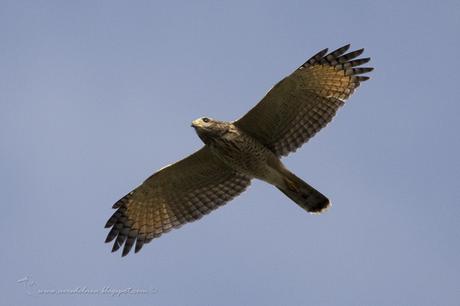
209, 129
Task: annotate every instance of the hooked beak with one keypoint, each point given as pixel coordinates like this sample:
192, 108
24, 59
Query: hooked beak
194, 124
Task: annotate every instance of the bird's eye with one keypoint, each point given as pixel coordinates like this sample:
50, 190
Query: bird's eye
205, 120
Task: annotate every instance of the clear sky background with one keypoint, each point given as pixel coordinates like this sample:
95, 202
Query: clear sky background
96, 95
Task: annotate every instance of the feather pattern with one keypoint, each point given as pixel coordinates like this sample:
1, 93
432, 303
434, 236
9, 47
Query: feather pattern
175, 195
292, 112
300, 105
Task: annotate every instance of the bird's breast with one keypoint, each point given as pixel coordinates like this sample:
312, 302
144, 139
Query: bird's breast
244, 154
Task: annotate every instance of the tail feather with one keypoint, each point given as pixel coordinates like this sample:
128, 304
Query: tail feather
303, 194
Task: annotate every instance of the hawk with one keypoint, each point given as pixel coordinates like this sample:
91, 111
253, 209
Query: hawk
234, 153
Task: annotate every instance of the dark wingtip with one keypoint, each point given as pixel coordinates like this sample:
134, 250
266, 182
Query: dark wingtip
128, 245
112, 234
116, 246
355, 53
360, 70
108, 224
315, 58
321, 53
362, 78
139, 244
341, 50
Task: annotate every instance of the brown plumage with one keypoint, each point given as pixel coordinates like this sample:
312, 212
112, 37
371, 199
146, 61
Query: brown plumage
292, 112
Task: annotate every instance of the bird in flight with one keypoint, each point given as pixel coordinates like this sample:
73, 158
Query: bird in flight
234, 153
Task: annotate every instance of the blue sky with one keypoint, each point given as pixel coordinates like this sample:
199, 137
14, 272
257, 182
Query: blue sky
96, 95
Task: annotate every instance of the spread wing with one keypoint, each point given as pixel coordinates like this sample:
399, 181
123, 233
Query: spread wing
180, 193
300, 105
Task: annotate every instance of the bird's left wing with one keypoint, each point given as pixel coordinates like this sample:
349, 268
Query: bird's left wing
180, 193
301, 104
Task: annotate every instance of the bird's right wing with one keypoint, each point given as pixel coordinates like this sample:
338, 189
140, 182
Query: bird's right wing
180, 193
296, 108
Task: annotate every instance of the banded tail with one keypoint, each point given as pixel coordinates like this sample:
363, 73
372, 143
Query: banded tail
303, 194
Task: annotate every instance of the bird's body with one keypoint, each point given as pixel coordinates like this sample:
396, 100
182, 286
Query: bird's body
245, 154
234, 153
239, 151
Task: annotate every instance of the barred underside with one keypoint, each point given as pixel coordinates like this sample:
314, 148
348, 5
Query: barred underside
300, 105
306, 123
292, 112
178, 194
